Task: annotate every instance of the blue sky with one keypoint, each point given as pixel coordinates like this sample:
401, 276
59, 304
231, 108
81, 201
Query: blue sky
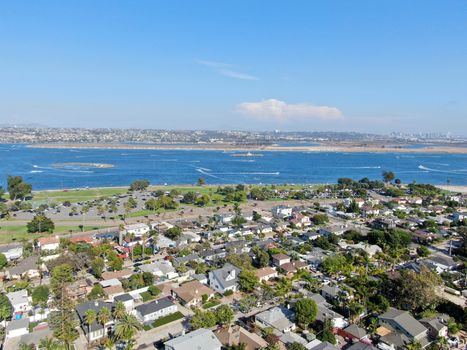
375, 66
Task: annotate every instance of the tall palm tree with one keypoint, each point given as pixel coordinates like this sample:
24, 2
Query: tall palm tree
90, 317
103, 317
50, 344
127, 327
119, 310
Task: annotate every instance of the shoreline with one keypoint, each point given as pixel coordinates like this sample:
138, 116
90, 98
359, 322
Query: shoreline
339, 148
449, 188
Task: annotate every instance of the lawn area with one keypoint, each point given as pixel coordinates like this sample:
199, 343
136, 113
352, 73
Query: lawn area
167, 319
75, 196
147, 296
211, 304
20, 232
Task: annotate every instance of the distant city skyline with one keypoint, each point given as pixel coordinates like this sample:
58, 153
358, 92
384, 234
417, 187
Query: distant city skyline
361, 66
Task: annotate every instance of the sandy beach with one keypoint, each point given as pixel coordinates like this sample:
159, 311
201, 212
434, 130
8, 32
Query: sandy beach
258, 148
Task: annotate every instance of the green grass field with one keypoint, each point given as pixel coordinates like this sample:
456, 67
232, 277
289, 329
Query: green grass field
19, 233
75, 196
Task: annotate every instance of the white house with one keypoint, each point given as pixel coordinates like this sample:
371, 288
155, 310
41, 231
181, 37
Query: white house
162, 269
12, 251
17, 328
281, 211
48, 243
20, 301
224, 279
201, 339
155, 309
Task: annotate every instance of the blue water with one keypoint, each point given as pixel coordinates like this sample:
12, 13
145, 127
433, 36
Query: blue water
185, 167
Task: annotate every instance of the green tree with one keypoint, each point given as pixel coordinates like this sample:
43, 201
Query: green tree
40, 295
40, 223
97, 292
296, 346
3, 261
63, 321
388, 176
139, 185
423, 251
104, 316
224, 314
320, 219
173, 233
201, 181
119, 310
18, 188
262, 257
97, 266
90, 316
127, 327
202, 319
5, 308
247, 280
327, 334
306, 310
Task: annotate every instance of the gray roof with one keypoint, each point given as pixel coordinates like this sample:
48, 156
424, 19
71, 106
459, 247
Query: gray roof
5, 248
201, 339
30, 263
405, 320
278, 317
185, 259
356, 331
17, 324
324, 346
361, 346
123, 297
154, 306
96, 305
36, 336
222, 273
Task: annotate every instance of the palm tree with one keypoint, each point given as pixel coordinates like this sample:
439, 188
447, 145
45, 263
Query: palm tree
50, 344
442, 343
90, 317
130, 344
119, 310
103, 317
127, 327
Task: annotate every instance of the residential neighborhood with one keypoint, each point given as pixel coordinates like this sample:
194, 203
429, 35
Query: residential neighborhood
356, 265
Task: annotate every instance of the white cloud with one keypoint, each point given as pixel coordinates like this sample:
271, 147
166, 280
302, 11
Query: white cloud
226, 69
279, 110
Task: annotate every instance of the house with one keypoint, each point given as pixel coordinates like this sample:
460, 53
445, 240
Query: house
280, 259
281, 211
19, 301
333, 230
290, 338
294, 266
79, 289
403, 322
34, 338
29, 267
164, 242
162, 269
235, 335
17, 328
127, 300
153, 310
437, 326
12, 251
201, 339
384, 223
224, 279
191, 293
459, 216
213, 254
185, 259
323, 346
48, 243
136, 230
266, 273
326, 313
113, 291
369, 211
278, 317
125, 273
355, 334
95, 330
300, 221
310, 235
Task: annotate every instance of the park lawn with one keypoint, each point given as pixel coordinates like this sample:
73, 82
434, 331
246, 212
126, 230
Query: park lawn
78, 195
19, 233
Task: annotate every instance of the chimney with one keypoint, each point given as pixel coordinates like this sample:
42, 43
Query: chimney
196, 291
